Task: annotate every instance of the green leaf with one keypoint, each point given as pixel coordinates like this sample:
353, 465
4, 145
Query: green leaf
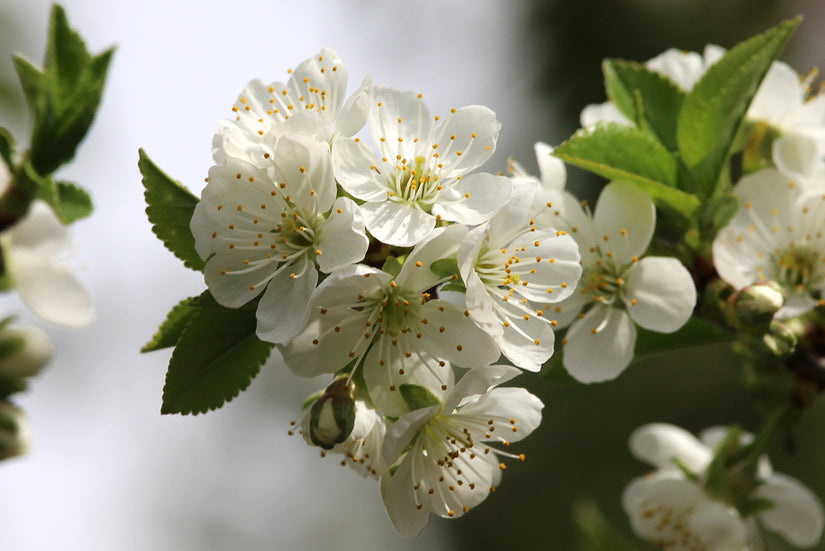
717, 212
660, 97
755, 505
715, 108
445, 267
66, 54
417, 397
696, 332
594, 532
73, 203
392, 266
170, 330
217, 356
619, 152
170, 207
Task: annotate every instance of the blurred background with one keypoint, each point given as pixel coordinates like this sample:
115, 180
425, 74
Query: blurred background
108, 472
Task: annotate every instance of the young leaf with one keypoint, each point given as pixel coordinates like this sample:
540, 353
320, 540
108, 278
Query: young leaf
661, 99
594, 532
714, 109
169, 208
64, 97
217, 356
6, 148
170, 330
444, 267
73, 203
623, 153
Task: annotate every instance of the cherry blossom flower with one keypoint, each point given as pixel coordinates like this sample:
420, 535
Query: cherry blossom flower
510, 269
392, 326
619, 288
673, 508
34, 250
447, 469
312, 101
778, 235
270, 231
420, 174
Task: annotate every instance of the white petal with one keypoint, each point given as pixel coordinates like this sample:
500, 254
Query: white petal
342, 239
441, 243
735, 257
460, 341
39, 231
796, 155
324, 71
513, 218
602, 112
515, 413
401, 432
779, 93
399, 500
548, 265
566, 311
399, 224
562, 211
479, 380
353, 114
284, 305
527, 343
683, 68
797, 512
599, 346
474, 199
466, 139
398, 114
552, 169
52, 292
388, 366
352, 162
302, 163
663, 291
660, 443
625, 219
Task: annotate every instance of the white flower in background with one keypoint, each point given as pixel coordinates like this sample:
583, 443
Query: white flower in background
778, 234
392, 326
33, 255
671, 508
684, 69
270, 231
552, 172
26, 350
619, 289
511, 269
420, 174
446, 468
312, 101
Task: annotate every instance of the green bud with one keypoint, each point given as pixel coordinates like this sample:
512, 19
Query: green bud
781, 338
14, 431
24, 351
755, 306
332, 416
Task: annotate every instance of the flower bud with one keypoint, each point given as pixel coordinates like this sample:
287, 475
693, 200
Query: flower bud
24, 351
754, 306
332, 416
781, 338
14, 431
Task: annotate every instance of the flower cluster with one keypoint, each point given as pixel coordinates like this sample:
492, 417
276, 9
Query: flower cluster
681, 508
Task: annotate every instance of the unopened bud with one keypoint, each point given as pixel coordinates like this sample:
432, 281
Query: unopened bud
332, 416
14, 431
781, 338
24, 351
755, 306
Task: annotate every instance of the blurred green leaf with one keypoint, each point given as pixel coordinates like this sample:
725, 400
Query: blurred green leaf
73, 202
7, 148
628, 83
64, 97
717, 212
594, 532
170, 330
715, 108
169, 208
216, 357
696, 332
619, 152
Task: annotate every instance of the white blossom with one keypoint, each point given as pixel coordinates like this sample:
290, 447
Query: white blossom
312, 101
674, 509
777, 234
420, 174
447, 468
34, 253
511, 269
271, 231
393, 326
619, 288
